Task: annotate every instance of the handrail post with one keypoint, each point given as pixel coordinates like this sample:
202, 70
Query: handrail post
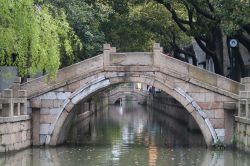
157, 50
107, 49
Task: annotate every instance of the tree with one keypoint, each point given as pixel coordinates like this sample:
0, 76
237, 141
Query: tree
86, 17
33, 39
136, 25
208, 20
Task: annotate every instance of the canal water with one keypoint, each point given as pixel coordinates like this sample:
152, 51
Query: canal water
128, 136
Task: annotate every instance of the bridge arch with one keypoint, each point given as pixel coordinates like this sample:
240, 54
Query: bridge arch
206, 96
121, 92
137, 96
105, 79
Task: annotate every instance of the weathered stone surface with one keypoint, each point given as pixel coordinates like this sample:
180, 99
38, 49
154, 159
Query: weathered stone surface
14, 135
35, 103
44, 129
47, 118
207, 90
47, 103
218, 123
219, 113
210, 113
58, 103
51, 111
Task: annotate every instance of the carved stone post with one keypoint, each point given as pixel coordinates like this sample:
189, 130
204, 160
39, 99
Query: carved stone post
107, 49
7, 107
23, 105
157, 50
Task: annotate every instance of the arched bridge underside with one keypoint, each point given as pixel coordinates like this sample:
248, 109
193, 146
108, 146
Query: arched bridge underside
122, 92
204, 95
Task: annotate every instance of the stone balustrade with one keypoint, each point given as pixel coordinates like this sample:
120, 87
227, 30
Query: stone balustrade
242, 130
13, 102
244, 104
15, 126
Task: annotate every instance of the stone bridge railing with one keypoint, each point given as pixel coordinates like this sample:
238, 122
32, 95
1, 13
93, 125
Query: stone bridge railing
110, 61
15, 127
196, 89
242, 130
13, 102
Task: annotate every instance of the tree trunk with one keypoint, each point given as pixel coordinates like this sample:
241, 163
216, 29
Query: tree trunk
215, 44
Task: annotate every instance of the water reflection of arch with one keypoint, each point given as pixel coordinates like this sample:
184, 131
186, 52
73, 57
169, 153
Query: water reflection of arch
127, 95
179, 129
126, 92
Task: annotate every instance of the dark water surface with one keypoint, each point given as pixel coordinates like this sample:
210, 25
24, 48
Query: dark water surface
127, 136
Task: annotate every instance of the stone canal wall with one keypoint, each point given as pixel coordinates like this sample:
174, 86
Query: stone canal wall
166, 104
15, 133
242, 134
242, 120
15, 125
46, 109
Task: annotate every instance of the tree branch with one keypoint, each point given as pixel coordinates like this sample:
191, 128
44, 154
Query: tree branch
202, 12
175, 17
204, 48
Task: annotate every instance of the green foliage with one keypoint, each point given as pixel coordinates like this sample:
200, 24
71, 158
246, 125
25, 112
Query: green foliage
219, 145
143, 23
234, 14
86, 18
32, 38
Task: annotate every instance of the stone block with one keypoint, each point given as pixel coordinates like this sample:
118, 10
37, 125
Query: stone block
209, 97
223, 83
202, 75
69, 106
248, 130
51, 111
28, 135
106, 46
210, 113
42, 139
219, 113
230, 105
17, 137
24, 135
2, 149
58, 103
220, 132
7, 93
44, 128
35, 103
63, 95
47, 119
49, 95
210, 105
198, 97
26, 125
46, 103
22, 93
74, 86
218, 123
7, 139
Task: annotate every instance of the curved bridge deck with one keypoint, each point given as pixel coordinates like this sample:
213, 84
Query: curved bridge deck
205, 95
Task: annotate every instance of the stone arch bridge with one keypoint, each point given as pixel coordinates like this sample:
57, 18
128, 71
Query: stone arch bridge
208, 97
126, 92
